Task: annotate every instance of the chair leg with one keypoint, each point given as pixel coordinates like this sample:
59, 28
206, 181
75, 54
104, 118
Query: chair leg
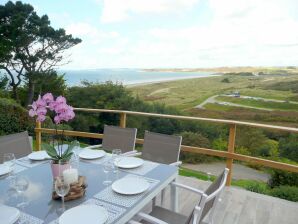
174, 198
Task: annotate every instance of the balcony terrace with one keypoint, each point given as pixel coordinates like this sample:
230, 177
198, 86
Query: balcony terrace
237, 205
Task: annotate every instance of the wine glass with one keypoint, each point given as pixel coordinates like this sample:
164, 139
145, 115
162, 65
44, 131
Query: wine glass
9, 160
62, 188
108, 167
77, 147
21, 185
116, 153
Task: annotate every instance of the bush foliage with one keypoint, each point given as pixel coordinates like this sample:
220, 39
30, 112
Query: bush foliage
286, 192
14, 118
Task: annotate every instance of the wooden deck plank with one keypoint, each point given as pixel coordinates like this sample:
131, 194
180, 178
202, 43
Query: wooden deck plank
239, 206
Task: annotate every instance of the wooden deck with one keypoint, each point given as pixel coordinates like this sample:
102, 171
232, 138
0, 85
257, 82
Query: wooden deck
240, 206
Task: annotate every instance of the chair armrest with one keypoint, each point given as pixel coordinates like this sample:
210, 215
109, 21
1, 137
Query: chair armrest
132, 153
94, 146
150, 218
133, 222
188, 188
178, 163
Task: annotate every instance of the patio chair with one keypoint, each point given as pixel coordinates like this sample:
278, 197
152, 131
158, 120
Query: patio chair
19, 144
118, 138
205, 206
161, 148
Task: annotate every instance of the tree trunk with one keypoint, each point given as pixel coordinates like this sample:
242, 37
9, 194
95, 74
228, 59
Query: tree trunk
31, 88
15, 94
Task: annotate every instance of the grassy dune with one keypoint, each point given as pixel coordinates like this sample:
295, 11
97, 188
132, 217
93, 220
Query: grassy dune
186, 94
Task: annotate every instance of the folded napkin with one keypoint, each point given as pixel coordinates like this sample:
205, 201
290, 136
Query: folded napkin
9, 215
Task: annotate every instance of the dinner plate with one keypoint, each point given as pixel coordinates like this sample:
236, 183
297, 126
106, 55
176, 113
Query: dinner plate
129, 162
9, 215
91, 154
4, 169
39, 155
130, 185
91, 214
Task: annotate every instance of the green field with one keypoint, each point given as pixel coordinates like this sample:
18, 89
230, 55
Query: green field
260, 103
186, 94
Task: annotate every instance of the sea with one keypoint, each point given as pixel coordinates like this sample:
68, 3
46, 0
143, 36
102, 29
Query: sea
127, 76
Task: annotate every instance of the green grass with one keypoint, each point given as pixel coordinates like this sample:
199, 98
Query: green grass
217, 107
186, 94
260, 103
192, 173
267, 93
203, 176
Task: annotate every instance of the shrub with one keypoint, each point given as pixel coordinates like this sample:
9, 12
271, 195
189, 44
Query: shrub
257, 187
226, 80
289, 147
280, 177
286, 192
268, 149
198, 140
14, 118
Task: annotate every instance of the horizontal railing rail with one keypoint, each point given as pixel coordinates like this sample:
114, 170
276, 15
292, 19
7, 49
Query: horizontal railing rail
230, 154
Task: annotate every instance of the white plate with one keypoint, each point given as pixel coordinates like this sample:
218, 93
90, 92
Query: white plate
91, 154
4, 169
129, 162
9, 215
39, 155
130, 185
89, 214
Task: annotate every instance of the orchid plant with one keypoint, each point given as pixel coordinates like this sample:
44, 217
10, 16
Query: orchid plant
62, 113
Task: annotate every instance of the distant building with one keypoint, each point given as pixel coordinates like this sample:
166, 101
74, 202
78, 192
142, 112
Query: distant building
236, 94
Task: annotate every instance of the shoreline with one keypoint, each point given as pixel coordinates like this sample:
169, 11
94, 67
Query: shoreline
131, 85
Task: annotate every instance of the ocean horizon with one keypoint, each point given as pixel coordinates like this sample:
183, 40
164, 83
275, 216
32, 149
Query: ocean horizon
127, 76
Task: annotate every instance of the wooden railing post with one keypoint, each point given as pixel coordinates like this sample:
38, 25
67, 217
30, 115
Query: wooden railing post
123, 120
231, 149
38, 137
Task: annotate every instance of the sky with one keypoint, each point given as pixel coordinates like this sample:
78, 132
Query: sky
176, 33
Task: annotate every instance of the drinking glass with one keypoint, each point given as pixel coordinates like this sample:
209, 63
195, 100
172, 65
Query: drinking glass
116, 156
77, 147
108, 167
21, 185
9, 160
62, 188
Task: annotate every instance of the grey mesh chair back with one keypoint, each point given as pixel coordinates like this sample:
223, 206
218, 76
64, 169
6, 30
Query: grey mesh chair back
119, 138
209, 199
161, 148
18, 144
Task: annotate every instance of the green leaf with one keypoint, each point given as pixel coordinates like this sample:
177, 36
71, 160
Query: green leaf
50, 150
68, 153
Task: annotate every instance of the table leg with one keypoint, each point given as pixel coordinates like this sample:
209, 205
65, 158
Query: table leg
174, 198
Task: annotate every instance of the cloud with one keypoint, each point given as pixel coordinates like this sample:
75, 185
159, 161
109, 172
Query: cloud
120, 10
236, 33
86, 30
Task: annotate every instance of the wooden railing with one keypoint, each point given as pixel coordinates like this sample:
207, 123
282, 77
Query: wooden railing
230, 154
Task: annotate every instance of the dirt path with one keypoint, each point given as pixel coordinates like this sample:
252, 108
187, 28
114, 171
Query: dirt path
239, 171
209, 100
212, 99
